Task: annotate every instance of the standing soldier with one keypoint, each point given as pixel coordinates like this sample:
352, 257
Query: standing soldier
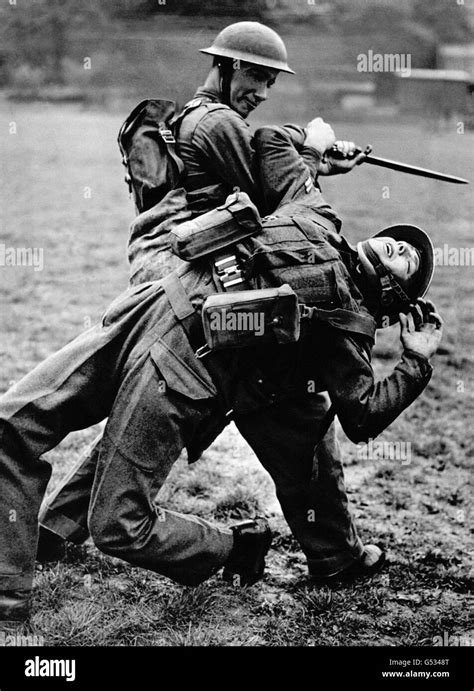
215, 144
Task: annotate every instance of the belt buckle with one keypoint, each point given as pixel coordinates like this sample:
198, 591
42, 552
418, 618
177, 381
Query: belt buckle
202, 351
168, 136
228, 272
306, 312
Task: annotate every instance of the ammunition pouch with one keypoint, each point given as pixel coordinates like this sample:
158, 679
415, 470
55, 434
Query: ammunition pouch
216, 230
250, 318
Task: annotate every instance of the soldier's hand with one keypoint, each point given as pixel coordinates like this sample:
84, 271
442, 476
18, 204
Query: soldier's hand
421, 329
348, 156
319, 135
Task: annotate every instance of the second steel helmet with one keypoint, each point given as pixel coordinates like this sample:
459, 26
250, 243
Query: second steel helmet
251, 42
394, 298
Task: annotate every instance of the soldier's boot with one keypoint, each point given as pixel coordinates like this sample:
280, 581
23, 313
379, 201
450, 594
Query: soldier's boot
14, 605
51, 546
370, 562
246, 563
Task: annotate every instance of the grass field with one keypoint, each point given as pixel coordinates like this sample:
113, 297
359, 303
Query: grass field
62, 192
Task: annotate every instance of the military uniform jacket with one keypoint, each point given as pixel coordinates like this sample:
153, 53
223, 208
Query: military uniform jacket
219, 153
324, 358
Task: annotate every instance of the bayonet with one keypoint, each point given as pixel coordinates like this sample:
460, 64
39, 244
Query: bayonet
401, 167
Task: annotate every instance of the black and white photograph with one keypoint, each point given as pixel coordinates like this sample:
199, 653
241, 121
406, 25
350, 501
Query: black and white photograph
237, 344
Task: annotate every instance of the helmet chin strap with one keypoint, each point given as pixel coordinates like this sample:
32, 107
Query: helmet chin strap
387, 280
225, 71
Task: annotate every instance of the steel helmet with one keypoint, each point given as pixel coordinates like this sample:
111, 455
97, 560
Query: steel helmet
251, 42
394, 297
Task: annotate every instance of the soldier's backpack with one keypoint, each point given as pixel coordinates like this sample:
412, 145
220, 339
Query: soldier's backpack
148, 147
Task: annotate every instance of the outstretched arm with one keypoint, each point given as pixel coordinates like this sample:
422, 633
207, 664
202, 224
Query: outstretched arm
366, 407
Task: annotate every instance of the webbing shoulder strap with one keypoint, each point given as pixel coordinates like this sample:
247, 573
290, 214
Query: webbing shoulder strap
187, 108
170, 141
342, 319
178, 299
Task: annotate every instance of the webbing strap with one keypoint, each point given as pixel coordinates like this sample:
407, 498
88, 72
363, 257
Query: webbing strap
322, 221
170, 141
178, 299
341, 319
386, 278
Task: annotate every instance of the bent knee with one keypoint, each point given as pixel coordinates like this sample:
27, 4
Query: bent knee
116, 535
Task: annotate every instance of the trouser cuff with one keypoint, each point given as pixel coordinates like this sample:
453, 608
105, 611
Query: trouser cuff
63, 526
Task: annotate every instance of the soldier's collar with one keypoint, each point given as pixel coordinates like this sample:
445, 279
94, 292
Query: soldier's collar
210, 94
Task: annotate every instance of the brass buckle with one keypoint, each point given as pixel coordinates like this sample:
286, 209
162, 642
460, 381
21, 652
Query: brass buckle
202, 351
305, 311
168, 137
228, 272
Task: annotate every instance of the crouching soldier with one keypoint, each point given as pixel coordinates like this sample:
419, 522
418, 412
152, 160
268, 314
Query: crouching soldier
150, 334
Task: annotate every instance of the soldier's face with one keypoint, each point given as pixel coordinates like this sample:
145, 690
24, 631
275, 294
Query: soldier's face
397, 256
249, 86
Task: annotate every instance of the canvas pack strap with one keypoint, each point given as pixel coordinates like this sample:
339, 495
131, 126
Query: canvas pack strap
342, 319
177, 297
322, 221
183, 309
168, 137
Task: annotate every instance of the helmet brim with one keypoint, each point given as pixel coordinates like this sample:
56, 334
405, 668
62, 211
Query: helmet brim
247, 57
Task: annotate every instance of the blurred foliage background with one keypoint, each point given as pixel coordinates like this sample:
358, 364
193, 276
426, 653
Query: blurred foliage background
114, 49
